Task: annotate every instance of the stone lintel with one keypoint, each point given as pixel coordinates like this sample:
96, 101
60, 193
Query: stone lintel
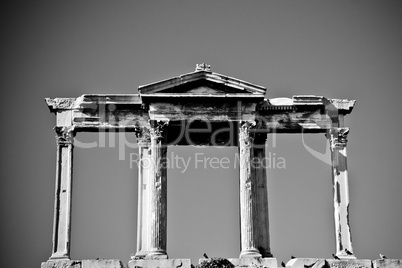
101, 263
344, 106
93, 101
305, 103
356, 263
205, 110
387, 263
163, 263
308, 100
306, 263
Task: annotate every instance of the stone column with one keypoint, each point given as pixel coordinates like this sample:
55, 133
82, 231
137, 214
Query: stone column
248, 193
158, 191
337, 138
262, 224
144, 161
63, 193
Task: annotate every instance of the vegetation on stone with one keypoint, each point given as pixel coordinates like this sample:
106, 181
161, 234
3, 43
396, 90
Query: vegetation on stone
215, 263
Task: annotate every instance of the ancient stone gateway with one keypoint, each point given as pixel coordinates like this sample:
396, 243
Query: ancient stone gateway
230, 112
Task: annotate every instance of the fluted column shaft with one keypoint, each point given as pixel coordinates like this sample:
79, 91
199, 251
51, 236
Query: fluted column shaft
63, 193
158, 191
259, 165
337, 137
248, 187
144, 165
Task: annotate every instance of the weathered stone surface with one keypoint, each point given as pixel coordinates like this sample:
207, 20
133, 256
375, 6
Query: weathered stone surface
358, 263
248, 189
83, 264
143, 195
255, 262
158, 192
338, 140
102, 264
260, 173
202, 110
60, 103
306, 263
166, 263
227, 86
63, 195
343, 105
387, 263
62, 264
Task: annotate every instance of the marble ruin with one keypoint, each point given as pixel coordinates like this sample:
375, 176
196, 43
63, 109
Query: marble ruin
159, 115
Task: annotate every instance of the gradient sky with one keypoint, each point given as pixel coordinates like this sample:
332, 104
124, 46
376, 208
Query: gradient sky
337, 49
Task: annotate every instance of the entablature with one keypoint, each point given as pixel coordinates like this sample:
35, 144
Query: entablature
306, 102
123, 112
204, 96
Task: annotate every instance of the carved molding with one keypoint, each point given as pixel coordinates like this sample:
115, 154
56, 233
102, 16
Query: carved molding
338, 137
64, 135
61, 103
202, 67
143, 135
158, 129
343, 104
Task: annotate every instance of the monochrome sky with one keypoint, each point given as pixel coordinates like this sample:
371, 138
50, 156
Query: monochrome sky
336, 49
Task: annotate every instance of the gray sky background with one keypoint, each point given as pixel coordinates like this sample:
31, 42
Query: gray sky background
337, 49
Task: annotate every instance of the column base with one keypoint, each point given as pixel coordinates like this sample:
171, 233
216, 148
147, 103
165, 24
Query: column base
156, 255
345, 256
250, 253
140, 255
59, 256
165, 263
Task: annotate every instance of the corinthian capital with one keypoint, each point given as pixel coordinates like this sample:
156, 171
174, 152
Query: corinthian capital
64, 135
244, 132
143, 135
338, 137
158, 129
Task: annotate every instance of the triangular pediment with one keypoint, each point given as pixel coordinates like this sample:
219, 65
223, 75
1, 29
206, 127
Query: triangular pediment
202, 83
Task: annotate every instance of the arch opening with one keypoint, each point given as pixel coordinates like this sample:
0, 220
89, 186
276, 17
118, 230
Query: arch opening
104, 207
203, 202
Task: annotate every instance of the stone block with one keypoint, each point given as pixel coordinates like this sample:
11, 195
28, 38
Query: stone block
61, 264
103, 263
332, 263
306, 263
255, 262
388, 263
162, 263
